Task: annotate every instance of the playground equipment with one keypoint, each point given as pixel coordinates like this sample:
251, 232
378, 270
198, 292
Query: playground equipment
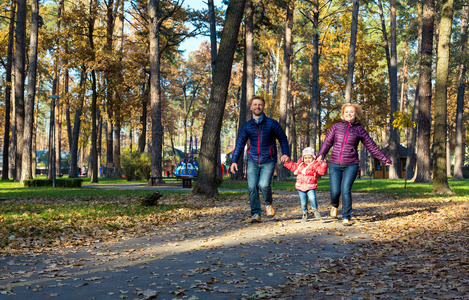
188, 168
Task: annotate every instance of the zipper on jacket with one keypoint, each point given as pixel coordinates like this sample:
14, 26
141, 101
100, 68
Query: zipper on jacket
344, 142
259, 141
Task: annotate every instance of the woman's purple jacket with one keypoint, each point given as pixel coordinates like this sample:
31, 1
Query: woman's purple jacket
344, 137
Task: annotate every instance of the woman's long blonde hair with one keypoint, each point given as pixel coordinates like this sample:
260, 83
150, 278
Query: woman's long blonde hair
358, 110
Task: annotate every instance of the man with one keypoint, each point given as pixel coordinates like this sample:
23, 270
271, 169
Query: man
262, 133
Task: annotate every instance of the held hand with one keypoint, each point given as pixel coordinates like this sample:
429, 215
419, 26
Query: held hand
234, 167
285, 158
319, 158
388, 164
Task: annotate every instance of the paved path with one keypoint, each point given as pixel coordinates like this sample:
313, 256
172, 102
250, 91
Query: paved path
194, 259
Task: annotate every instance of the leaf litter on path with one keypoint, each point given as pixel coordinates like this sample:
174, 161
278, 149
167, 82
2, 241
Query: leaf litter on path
396, 248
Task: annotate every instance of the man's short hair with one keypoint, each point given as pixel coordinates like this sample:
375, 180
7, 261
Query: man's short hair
258, 98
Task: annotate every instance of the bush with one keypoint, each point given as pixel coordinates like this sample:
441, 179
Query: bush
136, 165
62, 182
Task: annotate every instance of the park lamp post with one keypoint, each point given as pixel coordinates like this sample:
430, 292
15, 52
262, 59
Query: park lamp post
52, 138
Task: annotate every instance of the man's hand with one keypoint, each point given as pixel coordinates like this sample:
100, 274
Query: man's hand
285, 158
234, 168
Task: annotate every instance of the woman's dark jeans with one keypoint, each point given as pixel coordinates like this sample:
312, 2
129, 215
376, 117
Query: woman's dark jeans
341, 179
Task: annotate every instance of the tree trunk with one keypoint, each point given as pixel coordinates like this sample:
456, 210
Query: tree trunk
155, 90
459, 140
20, 57
249, 53
351, 54
283, 106
213, 33
94, 131
109, 93
206, 182
425, 95
242, 120
76, 128
394, 169
315, 77
213, 48
412, 137
440, 181
26, 168
143, 135
116, 146
6, 136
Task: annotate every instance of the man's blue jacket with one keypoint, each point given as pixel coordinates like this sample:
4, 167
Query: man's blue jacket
262, 136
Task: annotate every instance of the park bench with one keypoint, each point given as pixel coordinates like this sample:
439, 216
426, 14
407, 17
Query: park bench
186, 180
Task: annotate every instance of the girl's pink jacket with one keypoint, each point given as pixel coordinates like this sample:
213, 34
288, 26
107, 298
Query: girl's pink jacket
307, 175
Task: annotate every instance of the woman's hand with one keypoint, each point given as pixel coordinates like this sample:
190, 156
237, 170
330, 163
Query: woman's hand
319, 158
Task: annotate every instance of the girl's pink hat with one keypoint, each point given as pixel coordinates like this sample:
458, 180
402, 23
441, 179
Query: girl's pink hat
309, 151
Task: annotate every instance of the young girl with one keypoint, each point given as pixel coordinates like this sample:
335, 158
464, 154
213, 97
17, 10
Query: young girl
307, 171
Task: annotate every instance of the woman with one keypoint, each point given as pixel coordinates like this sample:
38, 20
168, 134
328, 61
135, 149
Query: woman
343, 164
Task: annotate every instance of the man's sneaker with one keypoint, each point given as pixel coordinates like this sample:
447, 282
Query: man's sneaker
255, 218
305, 217
270, 211
347, 222
334, 212
316, 213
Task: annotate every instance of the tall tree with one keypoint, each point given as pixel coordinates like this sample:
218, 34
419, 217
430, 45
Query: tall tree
249, 53
315, 77
351, 54
423, 172
94, 96
20, 57
206, 182
459, 141
6, 136
76, 126
109, 90
155, 89
26, 169
286, 76
394, 169
440, 181
412, 137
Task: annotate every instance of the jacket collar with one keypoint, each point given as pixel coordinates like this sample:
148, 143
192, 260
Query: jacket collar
261, 119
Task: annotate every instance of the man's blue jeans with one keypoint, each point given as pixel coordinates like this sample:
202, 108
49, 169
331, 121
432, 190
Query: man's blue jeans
304, 196
341, 179
259, 178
